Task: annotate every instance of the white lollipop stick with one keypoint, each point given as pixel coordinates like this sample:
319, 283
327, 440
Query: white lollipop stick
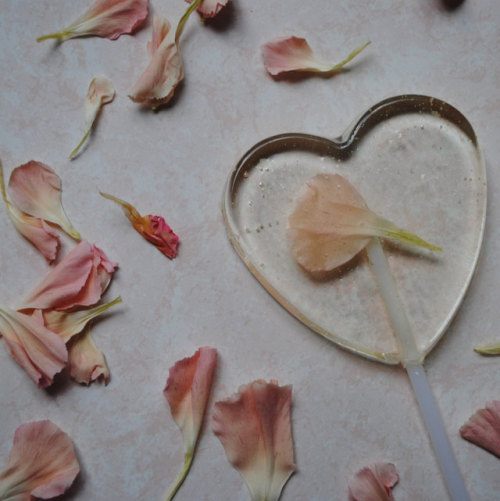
412, 360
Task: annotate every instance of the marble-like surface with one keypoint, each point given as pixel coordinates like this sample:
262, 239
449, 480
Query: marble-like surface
348, 412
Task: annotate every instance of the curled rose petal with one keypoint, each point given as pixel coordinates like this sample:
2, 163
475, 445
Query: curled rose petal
40, 352
86, 360
210, 8
42, 463
157, 84
255, 430
35, 189
483, 428
331, 223
187, 391
101, 92
374, 483
152, 228
105, 18
294, 54
79, 279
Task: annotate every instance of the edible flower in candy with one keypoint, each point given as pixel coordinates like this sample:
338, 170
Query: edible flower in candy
331, 223
42, 463
288, 54
105, 18
373, 483
483, 428
187, 391
101, 92
255, 429
152, 228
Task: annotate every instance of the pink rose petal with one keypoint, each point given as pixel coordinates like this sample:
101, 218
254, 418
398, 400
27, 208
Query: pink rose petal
78, 280
255, 430
41, 352
294, 54
483, 428
374, 483
42, 463
105, 18
210, 8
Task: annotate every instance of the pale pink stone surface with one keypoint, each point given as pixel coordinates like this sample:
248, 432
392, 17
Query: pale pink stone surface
348, 412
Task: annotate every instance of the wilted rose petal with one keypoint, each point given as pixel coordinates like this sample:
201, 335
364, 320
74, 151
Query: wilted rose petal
79, 279
483, 428
86, 361
35, 189
374, 483
40, 352
101, 92
294, 54
187, 391
42, 463
331, 223
158, 82
152, 228
210, 8
255, 430
105, 18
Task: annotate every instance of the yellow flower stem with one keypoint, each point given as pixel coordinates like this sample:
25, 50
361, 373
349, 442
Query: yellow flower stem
349, 58
489, 349
60, 36
184, 18
73, 154
188, 460
408, 238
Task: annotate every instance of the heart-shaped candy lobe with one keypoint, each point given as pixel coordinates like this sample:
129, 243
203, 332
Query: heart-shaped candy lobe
416, 162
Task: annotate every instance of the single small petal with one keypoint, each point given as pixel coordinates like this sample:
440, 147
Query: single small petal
483, 428
36, 190
294, 54
255, 430
157, 84
331, 223
42, 463
374, 483
152, 228
187, 391
210, 8
86, 361
40, 352
105, 18
101, 92
79, 279
488, 349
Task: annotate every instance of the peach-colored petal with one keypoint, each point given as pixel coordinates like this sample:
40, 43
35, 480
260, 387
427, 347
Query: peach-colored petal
105, 18
101, 92
483, 428
41, 352
255, 430
86, 361
78, 280
187, 391
210, 8
374, 483
152, 228
42, 463
36, 190
331, 223
294, 54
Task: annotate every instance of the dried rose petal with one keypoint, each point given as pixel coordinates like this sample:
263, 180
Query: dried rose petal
294, 54
152, 228
255, 430
483, 428
374, 483
105, 18
187, 391
210, 8
35, 189
101, 92
42, 463
41, 352
79, 279
331, 223
158, 82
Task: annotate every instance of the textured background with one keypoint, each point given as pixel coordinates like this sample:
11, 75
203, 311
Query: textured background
348, 412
